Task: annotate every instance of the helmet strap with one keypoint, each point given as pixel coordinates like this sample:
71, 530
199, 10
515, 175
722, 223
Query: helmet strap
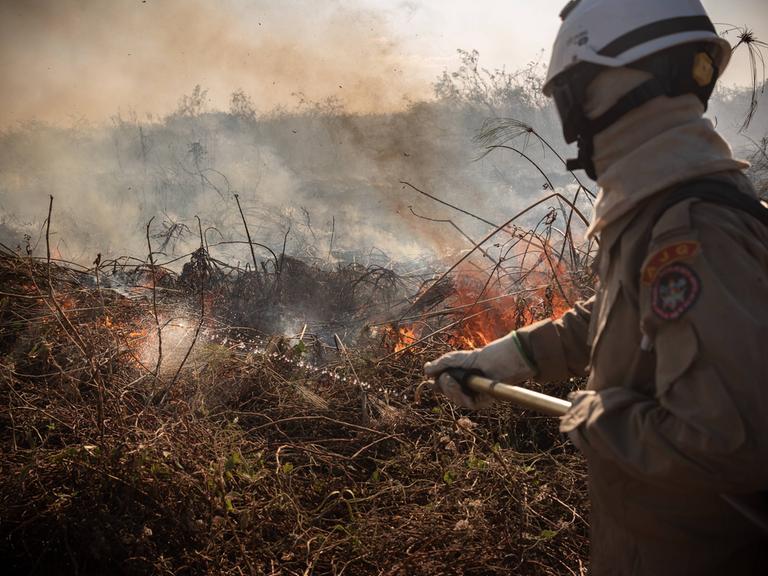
635, 98
584, 160
674, 73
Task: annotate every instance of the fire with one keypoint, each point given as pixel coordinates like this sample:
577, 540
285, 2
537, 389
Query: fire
399, 338
488, 312
140, 339
481, 311
484, 313
405, 337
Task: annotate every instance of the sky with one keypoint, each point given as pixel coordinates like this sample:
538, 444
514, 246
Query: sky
514, 32
69, 61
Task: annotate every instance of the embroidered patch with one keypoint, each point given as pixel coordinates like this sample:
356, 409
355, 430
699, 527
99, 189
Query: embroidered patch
668, 255
675, 291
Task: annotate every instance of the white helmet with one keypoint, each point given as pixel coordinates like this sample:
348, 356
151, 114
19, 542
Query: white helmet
615, 33
673, 40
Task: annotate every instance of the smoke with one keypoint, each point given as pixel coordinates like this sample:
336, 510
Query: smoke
327, 168
322, 176
330, 180
64, 59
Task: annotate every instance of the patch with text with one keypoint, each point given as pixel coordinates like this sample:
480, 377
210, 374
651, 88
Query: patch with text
668, 255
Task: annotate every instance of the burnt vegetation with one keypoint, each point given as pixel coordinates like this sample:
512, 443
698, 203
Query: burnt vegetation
162, 422
243, 393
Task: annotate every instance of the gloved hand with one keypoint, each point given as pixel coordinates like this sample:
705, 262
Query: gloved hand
502, 360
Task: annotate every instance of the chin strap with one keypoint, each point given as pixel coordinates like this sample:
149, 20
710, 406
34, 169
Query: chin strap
584, 160
645, 92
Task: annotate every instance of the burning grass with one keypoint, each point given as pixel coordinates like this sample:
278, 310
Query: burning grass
222, 448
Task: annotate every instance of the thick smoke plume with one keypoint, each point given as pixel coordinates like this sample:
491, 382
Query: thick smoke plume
66, 59
325, 178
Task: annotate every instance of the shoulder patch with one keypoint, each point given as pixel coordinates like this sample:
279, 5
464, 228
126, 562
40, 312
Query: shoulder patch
668, 255
675, 291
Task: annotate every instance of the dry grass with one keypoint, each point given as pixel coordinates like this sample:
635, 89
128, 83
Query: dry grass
264, 457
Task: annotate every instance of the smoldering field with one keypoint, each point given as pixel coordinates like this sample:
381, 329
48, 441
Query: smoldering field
189, 428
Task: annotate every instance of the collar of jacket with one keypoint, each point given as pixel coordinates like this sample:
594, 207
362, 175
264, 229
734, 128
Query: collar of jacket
665, 142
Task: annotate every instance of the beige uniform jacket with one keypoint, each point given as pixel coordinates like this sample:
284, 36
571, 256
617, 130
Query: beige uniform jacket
682, 419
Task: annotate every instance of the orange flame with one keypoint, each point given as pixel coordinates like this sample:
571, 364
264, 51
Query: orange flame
400, 338
485, 311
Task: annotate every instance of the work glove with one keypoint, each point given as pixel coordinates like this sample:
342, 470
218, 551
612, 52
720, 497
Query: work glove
502, 360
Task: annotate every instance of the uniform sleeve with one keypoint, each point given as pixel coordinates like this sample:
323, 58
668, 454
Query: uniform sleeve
706, 314
559, 348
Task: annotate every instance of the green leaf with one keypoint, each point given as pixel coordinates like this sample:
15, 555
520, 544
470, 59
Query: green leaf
159, 469
476, 464
233, 461
300, 348
228, 504
376, 476
286, 468
448, 477
547, 534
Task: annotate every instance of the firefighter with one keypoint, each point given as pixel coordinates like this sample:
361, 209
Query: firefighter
674, 417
